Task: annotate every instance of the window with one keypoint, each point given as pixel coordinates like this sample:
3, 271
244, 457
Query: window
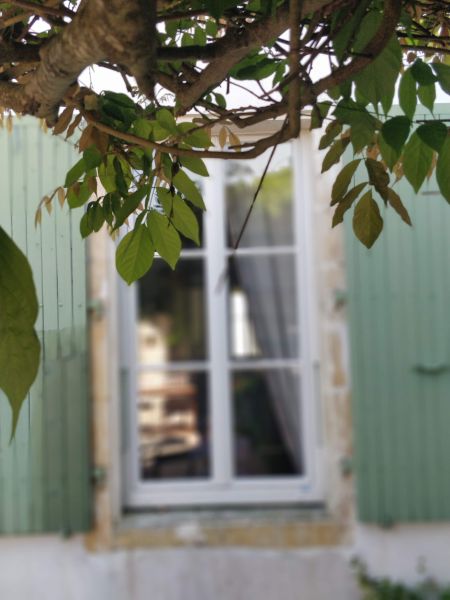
217, 355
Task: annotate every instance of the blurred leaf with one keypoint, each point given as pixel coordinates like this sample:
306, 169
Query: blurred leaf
346, 203
367, 221
407, 94
433, 133
417, 160
396, 203
19, 345
427, 95
395, 132
443, 169
334, 154
422, 72
343, 180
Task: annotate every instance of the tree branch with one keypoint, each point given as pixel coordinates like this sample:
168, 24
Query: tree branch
257, 149
122, 32
235, 45
391, 15
39, 9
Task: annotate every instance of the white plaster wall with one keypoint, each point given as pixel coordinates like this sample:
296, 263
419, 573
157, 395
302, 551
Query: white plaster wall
53, 569
406, 553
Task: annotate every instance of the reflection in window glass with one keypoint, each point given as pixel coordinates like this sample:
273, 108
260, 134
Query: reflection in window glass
173, 425
271, 222
266, 423
172, 313
262, 307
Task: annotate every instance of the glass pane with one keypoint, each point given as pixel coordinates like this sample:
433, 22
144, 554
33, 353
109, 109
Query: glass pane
172, 313
262, 307
271, 222
173, 425
267, 423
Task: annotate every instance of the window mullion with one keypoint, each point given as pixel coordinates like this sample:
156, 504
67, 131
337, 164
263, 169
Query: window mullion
217, 286
129, 369
303, 194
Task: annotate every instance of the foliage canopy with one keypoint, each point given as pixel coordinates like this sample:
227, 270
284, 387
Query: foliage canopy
340, 61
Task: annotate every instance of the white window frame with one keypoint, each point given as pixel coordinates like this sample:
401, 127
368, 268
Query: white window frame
220, 488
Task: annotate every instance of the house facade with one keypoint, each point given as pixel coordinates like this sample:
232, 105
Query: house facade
243, 426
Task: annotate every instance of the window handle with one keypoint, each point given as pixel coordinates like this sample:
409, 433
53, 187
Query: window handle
431, 369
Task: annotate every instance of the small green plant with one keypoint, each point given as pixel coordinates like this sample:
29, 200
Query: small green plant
374, 588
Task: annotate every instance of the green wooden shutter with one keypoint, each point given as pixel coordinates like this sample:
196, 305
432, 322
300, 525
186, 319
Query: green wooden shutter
399, 299
44, 473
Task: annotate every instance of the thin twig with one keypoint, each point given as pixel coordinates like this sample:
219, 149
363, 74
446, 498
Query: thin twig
255, 196
42, 10
252, 205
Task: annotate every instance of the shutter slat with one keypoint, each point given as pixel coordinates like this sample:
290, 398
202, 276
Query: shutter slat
44, 473
399, 293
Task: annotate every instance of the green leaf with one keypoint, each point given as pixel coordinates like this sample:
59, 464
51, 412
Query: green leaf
367, 221
121, 183
377, 175
318, 113
376, 82
361, 136
427, 95
443, 169
433, 133
259, 67
194, 164
443, 75
395, 132
362, 123
92, 157
19, 345
407, 94
134, 254
334, 154
179, 214
388, 154
417, 158
75, 173
346, 203
85, 226
120, 99
197, 138
166, 119
216, 8
188, 188
165, 237
78, 196
130, 204
343, 35
332, 130
343, 181
107, 176
351, 112
96, 216
394, 200
143, 128
422, 72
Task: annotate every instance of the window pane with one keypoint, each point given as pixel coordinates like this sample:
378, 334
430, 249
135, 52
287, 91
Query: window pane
262, 307
173, 425
267, 423
172, 313
271, 222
